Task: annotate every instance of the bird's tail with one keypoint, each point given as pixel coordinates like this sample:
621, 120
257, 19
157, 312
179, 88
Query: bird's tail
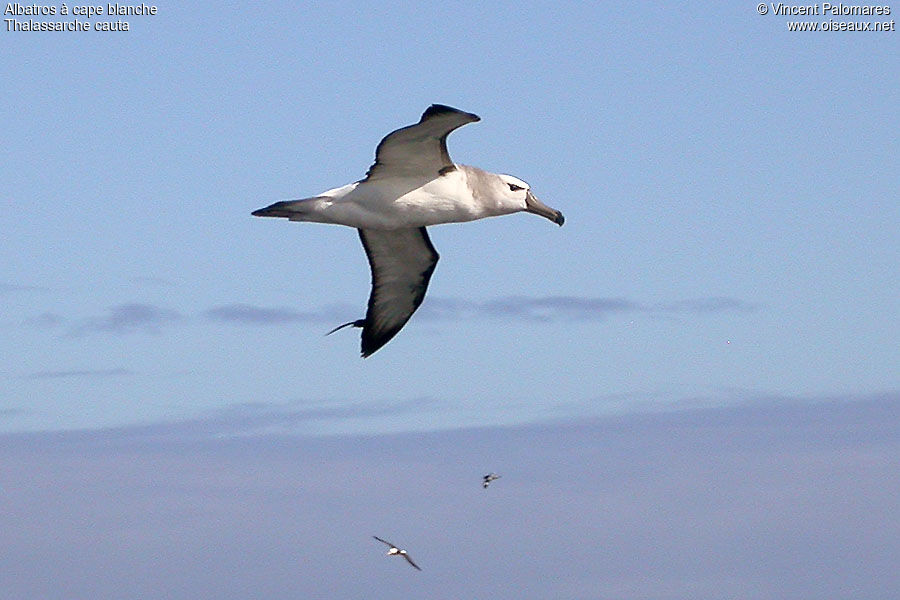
356, 323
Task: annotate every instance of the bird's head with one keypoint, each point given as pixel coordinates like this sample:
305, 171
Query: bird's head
514, 190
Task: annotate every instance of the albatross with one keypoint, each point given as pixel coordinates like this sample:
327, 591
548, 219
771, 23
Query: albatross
487, 479
412, 185
395, 551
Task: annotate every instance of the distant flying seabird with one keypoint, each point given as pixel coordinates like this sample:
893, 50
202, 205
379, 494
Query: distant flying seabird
413, 184
395, 551
487, 479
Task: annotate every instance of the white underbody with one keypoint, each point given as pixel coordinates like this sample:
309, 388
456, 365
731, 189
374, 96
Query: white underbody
403, 202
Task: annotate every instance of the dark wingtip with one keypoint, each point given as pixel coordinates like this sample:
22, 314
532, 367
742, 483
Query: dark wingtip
368, 348
371, 343
438, 109
560, 219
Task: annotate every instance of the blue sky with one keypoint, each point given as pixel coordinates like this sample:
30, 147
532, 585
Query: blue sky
731, 199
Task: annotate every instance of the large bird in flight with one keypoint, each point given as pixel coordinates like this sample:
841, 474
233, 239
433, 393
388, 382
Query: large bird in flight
395, 551
413, 184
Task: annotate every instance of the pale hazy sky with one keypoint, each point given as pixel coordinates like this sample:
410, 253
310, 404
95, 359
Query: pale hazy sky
781, 499
731, 196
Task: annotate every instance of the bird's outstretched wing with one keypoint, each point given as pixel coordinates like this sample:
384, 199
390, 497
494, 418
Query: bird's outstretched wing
410, 561
402, 261
419, 150
384, 541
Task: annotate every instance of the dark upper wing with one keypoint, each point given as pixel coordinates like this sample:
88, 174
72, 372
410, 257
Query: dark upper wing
384, 541
419, 149
402, 261
410, 561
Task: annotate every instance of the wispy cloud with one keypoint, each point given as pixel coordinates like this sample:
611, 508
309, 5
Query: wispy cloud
127, 318
12, 412
46, 320
152, 281
713, 304
142, 317
574, 308
82, 373
250, 314
257, 418
8, 288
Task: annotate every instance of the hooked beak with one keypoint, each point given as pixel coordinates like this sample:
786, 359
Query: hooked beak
279, 209
533, 205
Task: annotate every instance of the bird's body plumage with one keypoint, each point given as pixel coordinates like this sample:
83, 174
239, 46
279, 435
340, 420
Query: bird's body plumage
398, 203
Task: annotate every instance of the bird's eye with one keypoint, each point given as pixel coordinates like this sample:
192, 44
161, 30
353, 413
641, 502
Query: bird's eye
514, 188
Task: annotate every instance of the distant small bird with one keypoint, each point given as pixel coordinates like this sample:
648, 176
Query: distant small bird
412, 185
395, 551
487, 479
